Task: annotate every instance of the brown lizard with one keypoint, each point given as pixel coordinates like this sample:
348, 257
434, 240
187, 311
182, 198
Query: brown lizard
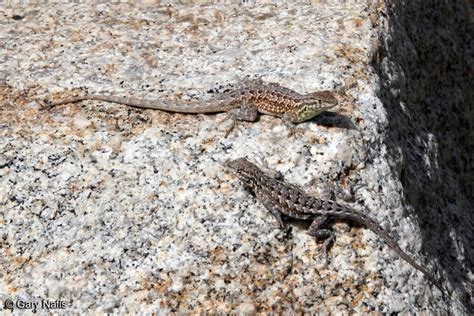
243, 103
283, 199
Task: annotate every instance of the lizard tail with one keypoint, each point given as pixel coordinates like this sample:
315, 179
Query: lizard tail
382, 233
192, 107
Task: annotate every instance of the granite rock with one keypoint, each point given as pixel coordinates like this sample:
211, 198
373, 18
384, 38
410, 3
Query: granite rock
107, 208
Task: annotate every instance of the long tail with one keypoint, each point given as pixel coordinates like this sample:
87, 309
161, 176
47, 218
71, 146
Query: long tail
365, 220
193, 107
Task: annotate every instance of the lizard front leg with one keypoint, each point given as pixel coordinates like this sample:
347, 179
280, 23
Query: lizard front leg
273, 209
271, 172
289, 120
316, 230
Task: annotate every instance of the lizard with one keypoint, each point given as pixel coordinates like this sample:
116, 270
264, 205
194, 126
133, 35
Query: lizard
243, 103
287, 200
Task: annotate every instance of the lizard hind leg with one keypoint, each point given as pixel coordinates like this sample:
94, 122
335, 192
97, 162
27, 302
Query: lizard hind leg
230, 116
246, 112
316, 230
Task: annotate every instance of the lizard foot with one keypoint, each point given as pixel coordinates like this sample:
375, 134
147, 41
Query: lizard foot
44, 103
296, 132
231, 127
325, 248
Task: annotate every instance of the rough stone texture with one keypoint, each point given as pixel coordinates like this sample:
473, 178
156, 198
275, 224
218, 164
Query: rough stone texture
114, 209
425, 68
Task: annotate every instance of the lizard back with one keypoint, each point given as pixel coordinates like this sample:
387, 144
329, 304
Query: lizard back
293, 202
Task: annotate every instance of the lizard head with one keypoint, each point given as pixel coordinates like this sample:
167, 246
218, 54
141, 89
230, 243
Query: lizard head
243, 169
313, 104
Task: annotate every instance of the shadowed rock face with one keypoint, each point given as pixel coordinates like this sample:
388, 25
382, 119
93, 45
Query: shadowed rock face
425, 72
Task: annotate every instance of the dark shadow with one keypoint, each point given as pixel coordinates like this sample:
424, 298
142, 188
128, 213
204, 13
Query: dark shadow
332, 119
426, 77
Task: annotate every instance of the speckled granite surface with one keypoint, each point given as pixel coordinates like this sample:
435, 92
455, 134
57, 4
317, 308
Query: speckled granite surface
111, 209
